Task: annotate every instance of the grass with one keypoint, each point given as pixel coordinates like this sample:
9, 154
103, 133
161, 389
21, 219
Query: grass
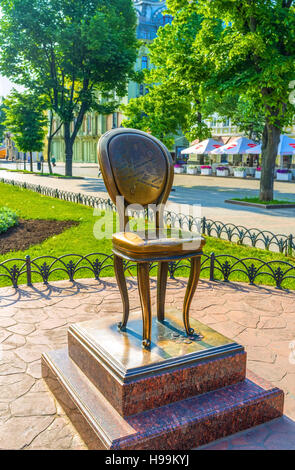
80, 239
256, 200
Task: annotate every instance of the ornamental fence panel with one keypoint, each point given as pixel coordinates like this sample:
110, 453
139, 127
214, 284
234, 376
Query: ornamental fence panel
223, 267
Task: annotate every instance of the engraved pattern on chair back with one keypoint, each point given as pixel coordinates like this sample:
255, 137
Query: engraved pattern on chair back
137, 166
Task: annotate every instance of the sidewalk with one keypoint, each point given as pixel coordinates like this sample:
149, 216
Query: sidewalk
35, 319
207, 193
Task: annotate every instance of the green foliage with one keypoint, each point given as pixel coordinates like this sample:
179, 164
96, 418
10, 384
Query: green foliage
234, 57
26, 120
177, 98
2, 119
71, 51
8, 218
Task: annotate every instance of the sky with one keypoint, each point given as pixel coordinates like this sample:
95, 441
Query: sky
6, 86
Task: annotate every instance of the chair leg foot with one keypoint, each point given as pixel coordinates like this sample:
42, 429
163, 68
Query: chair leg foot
161, 289
143, 275
190, 290
120, 276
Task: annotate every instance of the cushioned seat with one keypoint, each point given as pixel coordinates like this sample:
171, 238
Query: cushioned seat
132, 244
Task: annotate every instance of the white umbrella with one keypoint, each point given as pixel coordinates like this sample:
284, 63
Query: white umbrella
256, 150
206, 146
286, 146
240, 145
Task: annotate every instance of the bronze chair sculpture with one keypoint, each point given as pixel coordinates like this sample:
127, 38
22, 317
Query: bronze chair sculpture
138, 168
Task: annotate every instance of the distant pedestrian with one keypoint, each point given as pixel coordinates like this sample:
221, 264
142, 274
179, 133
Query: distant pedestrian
53, 161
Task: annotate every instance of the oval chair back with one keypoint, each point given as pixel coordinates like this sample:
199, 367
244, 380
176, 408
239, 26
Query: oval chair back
137, 167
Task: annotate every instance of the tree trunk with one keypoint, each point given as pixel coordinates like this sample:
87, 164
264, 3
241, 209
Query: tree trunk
31, 161
270, 143
69, 149
49, 142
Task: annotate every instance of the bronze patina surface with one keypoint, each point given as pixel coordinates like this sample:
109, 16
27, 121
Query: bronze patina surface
170, 346
139, 168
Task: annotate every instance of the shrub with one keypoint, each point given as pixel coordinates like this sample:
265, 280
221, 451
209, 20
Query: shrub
203, 167
8, 219
222, 168
240, 168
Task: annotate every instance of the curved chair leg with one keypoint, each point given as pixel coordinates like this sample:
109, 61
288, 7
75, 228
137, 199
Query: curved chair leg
120, 276
161, 289
143, 276
190, 290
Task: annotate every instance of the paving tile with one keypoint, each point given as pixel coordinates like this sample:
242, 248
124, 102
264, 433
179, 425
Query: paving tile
36, 321
33, 404
19, 432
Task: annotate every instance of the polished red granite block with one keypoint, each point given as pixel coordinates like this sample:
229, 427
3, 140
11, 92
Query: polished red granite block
177, 367
180, 425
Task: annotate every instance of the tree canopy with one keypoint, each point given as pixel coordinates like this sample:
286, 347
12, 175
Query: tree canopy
75, 52
236, 52
26, 120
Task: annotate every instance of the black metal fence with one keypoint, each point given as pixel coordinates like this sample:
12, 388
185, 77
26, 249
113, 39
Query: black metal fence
97, 265
267, 240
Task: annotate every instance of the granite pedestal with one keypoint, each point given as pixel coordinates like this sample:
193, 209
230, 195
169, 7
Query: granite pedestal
183, 393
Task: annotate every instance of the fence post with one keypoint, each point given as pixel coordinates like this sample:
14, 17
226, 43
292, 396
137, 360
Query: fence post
212, 264
290, 245
204, 225
28, 270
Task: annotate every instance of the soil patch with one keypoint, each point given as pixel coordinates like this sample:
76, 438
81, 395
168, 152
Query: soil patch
32, 232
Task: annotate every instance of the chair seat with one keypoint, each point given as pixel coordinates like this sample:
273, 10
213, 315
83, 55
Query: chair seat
134, 245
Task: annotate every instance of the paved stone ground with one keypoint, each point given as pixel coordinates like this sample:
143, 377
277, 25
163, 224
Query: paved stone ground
208, 192
35, 320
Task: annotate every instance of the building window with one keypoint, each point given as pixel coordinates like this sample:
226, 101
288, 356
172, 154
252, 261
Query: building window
88, 124
115, 120
141, 90
144, 62
167, 19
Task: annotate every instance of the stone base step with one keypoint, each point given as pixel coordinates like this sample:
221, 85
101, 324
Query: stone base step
185, 424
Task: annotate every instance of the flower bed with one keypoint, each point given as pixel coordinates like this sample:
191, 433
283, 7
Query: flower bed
284, 175
258, 173
8, 219
192, 169
178, 168
222, 171
206, 170
240, 172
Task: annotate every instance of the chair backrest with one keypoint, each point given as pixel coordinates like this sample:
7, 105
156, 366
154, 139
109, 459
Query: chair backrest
138, 167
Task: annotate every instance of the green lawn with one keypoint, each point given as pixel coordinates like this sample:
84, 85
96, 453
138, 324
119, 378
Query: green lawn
256, 200
80, 239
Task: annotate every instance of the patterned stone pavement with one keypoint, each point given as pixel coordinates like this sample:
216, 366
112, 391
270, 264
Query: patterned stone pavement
35, 320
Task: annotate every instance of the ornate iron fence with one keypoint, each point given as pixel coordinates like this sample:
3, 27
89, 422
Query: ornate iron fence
97, 265
267, 240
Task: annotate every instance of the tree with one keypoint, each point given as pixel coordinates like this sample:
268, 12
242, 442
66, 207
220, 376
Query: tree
2, 119
252, 55
79, 53
172, 103
236, 57
27, 122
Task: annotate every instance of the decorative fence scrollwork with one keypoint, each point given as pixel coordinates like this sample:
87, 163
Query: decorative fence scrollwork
263, 239
222, 267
